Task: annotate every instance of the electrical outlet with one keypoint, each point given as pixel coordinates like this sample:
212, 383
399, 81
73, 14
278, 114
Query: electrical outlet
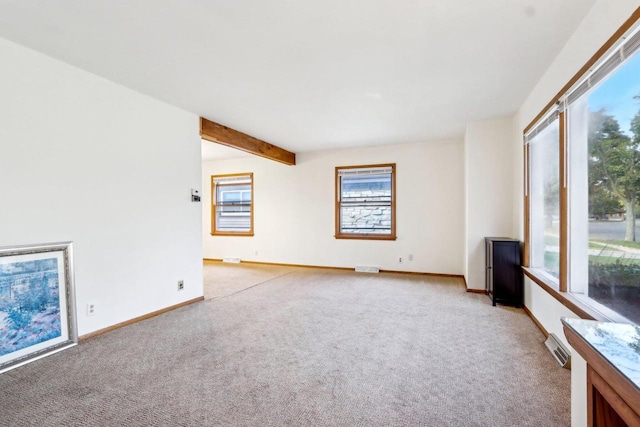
400, 260
91, 308
180, 285
256, 252
410, 257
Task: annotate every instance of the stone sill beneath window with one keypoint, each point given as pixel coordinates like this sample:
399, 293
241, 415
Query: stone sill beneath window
573, 303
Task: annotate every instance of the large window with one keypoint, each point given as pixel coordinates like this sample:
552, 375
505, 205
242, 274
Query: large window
604, 135
588, 160
365, 202
232, 205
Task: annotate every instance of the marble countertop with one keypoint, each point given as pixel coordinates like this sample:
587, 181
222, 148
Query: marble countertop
619, 343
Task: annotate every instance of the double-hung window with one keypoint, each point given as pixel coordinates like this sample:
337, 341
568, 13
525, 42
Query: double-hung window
232, 205
365, 202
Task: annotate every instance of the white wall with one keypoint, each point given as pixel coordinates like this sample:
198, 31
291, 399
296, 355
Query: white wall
294, 210
548, 312
601, 22
489, 188
86, 160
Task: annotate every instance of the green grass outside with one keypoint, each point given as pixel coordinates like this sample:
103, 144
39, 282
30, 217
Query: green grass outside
551, 240
552, 263
633, 245
613, 260
604, 245
552, 259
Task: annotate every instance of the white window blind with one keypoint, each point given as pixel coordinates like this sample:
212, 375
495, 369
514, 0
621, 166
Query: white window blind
240, 179
625, 50
365, 171
542, 124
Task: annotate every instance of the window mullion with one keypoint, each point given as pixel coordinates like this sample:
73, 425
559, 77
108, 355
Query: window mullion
526, 261
564, 207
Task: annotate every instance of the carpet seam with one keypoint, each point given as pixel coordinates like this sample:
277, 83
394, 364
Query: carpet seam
252, 286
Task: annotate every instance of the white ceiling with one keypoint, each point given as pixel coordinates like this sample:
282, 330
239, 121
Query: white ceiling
311, 75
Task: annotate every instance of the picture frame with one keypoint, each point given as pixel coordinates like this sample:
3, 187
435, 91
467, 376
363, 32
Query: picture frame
37, 302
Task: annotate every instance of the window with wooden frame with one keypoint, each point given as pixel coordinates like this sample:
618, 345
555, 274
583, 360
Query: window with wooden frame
366, 202
582, 186
232, 205
544, 196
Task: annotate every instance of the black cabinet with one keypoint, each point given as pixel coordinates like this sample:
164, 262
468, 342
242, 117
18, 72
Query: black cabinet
503, 271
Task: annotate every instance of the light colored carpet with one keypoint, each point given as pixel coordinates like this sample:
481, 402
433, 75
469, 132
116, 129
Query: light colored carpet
308, 348
222, 279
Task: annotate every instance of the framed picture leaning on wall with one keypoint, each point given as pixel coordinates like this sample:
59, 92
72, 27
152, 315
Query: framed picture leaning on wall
37, 302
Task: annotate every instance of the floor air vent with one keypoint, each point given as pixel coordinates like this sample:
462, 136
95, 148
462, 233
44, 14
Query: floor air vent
559, 351
234, 260
367, 269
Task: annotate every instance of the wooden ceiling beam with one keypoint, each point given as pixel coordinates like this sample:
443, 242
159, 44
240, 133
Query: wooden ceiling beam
215, 132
